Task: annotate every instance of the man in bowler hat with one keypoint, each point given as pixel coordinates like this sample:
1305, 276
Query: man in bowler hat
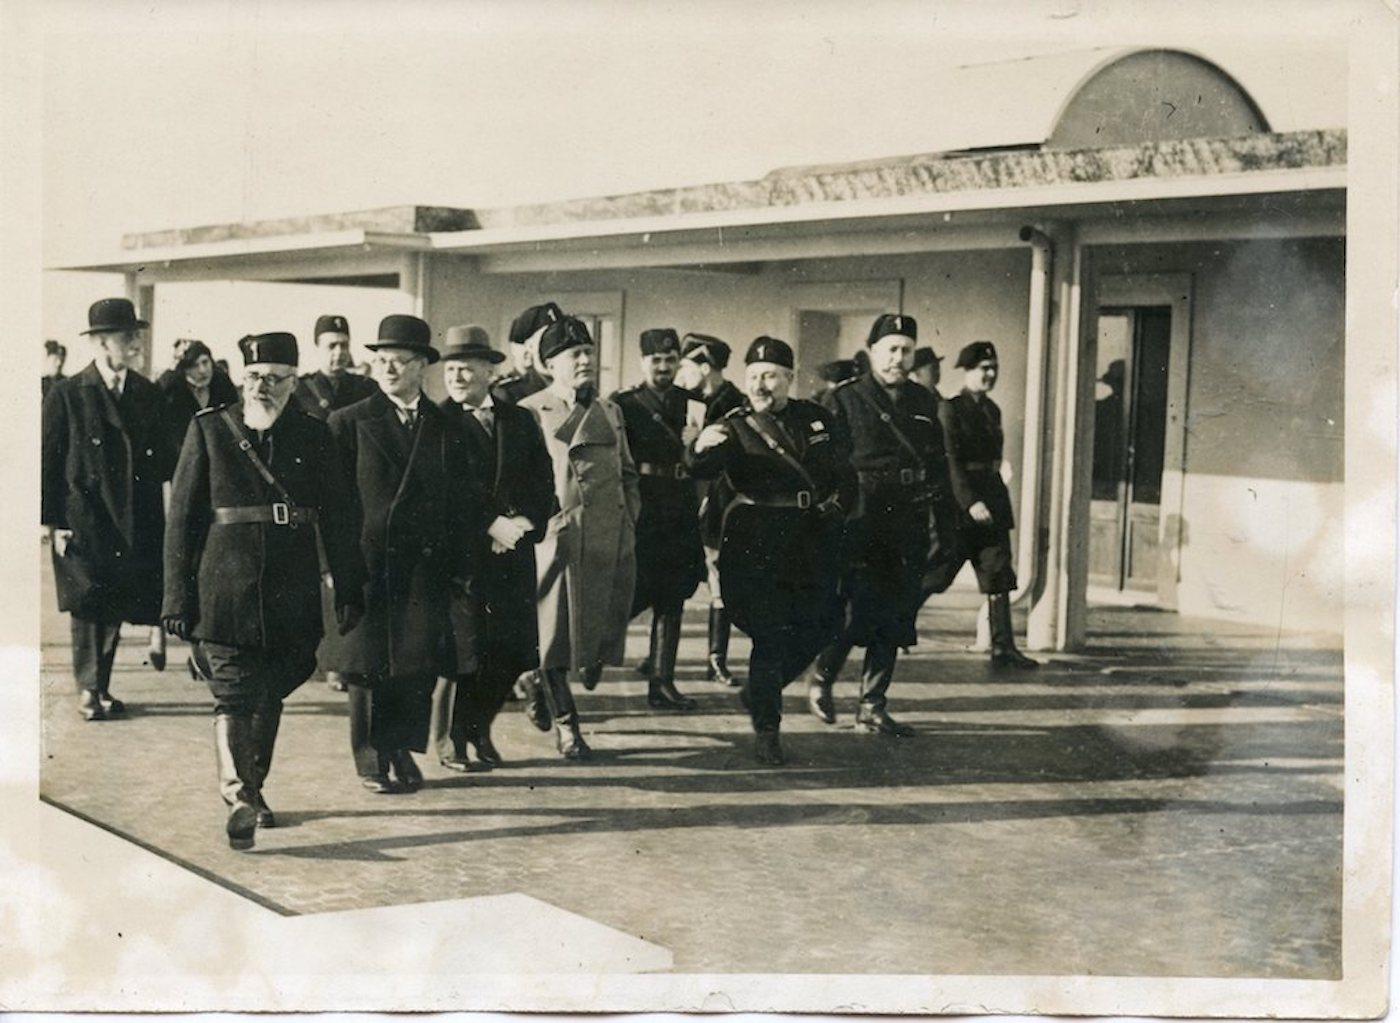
419, 511
897, 451
105, 456
255, 482
701, 372
495, 631
972, 433
661, 421
530, 376
787, 462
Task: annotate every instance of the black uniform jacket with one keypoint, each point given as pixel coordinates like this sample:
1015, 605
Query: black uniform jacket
180, 404
780, 562
420, 514
519, 386
257, 584
713, 494
101, 475
670, 559
493, 615
973, 438
319, 394
902, 481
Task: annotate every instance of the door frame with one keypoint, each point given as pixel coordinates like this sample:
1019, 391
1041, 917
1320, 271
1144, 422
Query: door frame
1175, 291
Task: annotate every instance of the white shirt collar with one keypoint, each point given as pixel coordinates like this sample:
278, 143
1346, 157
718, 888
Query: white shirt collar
486, 404
110, 377
411, 406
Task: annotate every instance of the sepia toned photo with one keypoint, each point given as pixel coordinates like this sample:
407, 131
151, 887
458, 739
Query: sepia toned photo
880, 508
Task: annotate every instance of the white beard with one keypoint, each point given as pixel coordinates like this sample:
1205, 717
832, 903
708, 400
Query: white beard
257, 416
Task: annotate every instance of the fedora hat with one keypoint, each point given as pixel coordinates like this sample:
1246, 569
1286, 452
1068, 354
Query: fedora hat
470, 342
113, 314
406, 332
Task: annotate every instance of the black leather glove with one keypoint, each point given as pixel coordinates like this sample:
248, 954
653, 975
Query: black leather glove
347, 616
177, 625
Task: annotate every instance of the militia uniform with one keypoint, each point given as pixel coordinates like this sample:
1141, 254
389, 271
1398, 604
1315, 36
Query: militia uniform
105, 456
527, 329
781, 542
709, 351
493, 618
419, 510
242, 571
972, 433
670, 559
897, 451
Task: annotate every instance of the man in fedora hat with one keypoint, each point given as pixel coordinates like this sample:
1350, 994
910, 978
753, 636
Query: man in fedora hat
333, 384
256, 480
661, 420
787, 462
105, 457
586, 564
419, 511
901, 467
972, 432
701, 372
493, 620
530, 375
927, 370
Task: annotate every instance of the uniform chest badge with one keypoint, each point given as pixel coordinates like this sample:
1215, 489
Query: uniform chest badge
325, 403
817, 426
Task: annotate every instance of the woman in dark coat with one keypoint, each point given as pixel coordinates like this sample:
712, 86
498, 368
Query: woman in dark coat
195, 384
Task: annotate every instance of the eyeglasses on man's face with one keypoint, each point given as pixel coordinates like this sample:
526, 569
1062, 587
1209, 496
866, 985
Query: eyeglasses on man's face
256, 378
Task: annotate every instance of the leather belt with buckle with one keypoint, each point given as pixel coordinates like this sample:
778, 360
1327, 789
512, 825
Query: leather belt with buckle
669, 470
278, 513
906, 476
802, 499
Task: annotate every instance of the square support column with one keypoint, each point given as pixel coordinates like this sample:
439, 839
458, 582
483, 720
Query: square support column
143, 297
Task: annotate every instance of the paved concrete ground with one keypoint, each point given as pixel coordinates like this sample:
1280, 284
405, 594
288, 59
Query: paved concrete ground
1170, 803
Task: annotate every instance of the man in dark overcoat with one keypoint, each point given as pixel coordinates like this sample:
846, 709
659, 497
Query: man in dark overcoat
255, 482
334, 384
701, 372
529, 376
419, 512
972, 432
787, 462
897, 452
105, 456
661, 420
494, 625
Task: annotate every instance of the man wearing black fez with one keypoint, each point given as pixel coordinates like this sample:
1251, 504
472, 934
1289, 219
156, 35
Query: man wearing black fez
701, 372
420, 512
256, 481
530, 376
494, 627
332, 384
927, 370
897, 451
972, 432
55, 355
661, 420
787, 462
586, 565
105, 456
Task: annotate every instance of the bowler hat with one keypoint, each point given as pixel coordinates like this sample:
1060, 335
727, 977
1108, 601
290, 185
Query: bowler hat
563, 334
769, 349
893, 323
408, 333
113, 314
470, 342
659, 340
978, 351
532, 320
705, 349
279, 347
926, 357
330, 324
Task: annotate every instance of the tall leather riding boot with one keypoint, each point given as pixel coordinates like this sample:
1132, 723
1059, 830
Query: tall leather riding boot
647, 666
568, 738
717, 669
235, 749
266, 721
821, 700
1004, 652
480, 711
662, 693
876, 674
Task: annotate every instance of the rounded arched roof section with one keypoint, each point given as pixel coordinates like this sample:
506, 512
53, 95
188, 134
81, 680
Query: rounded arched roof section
1154, 96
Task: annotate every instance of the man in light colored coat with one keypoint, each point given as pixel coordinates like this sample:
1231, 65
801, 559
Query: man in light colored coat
586, 565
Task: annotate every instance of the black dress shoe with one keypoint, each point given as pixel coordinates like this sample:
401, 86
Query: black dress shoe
768, 749
380, 783
157, 659
716, 670
405, 770
643, 667
536, 709
241, 825
821, 702
591, 676
662, 695
486, 750
458, 764
113, 707
878, 721
90, 706
1010, 657
570, 744
265, 817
